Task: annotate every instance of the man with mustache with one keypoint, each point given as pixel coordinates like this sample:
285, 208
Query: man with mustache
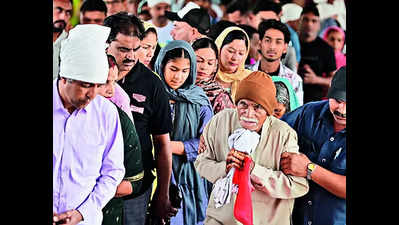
274, 37
321, 129
62, 12
274, 194
163, 26
149, 105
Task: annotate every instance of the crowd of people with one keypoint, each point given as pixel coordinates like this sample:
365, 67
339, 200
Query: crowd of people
188, 112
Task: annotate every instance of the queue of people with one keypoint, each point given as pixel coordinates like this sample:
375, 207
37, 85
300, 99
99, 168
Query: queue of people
204, 113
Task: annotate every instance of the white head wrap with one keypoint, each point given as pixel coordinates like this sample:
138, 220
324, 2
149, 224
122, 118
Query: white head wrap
291, 11
151, 3
83, 54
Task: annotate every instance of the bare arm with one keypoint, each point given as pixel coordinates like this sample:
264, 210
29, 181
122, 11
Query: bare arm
163, 158
296, 164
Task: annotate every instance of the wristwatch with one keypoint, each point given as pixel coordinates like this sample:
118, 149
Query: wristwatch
310, 168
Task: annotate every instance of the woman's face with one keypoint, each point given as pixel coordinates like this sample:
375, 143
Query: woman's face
206, 64
336, 40
147, 48
279, 111
108, 89
232, 56
176, 72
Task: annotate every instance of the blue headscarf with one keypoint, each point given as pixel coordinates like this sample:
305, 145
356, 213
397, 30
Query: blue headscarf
188, 92
188, 101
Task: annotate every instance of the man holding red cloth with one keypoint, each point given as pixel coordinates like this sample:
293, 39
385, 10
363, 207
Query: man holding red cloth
265, 194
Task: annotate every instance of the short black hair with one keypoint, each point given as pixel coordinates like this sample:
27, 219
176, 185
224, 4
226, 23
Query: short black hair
123, 23
237, 5
274, 24
93, 5
310, 8
218, 27
266, 5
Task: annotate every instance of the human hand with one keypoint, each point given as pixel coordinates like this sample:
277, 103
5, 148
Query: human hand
294, 164
309, 76
70, 217
201, 145
235, 159
123, 189
162, 208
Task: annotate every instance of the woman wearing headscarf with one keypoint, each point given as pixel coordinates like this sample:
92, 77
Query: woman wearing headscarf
287, 100
233, 44
207, 66
191, 110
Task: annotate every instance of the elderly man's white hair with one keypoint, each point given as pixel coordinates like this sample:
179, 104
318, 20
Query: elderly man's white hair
83, 54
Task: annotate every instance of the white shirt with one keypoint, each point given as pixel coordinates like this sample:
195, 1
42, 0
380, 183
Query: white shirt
164, 33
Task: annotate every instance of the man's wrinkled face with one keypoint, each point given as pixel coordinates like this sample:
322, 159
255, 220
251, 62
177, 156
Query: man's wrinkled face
62, 12
92, 17
338, 110
124, 48
251, 115
158, 12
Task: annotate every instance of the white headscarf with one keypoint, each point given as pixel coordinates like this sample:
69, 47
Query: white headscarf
83, 54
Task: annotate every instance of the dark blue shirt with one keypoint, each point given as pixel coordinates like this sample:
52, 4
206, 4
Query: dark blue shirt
313, 123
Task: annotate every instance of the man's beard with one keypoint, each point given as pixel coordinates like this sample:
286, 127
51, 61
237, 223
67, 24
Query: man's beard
60, 28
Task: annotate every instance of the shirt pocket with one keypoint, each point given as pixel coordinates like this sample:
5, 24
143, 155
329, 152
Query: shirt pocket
338, 163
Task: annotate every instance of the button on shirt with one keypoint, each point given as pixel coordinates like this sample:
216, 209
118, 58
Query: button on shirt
313, 123
87, 157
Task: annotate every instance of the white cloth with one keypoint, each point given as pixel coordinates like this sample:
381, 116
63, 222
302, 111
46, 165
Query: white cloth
242, 140
83, 54
291, 12
151, 3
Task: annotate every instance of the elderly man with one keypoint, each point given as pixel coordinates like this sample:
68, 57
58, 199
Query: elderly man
273, 197
87, 137
321, 128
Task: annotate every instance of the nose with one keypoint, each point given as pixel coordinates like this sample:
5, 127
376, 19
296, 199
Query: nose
250, 112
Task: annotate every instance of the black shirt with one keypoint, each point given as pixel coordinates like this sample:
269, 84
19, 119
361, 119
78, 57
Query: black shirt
321, 58
149, 103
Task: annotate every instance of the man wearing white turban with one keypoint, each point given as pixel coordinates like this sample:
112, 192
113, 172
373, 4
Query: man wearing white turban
87, 137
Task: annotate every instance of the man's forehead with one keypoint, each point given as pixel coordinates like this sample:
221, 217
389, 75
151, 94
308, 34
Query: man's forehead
126, 39
65, 3
162, 5
248, 101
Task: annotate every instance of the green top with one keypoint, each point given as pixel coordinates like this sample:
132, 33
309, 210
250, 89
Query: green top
134, 169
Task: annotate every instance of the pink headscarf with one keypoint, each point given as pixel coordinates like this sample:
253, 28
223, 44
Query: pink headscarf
340, 57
